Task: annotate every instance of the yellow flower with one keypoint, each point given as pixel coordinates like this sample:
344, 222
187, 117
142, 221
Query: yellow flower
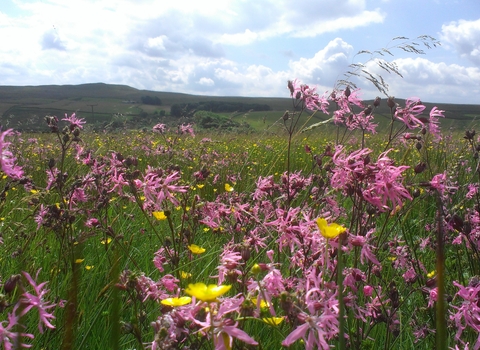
79, 261
176, 301
200, 185
159, 215
206, 293
273, 321
185, 275
195, 249
228, 188
256, 269
329, 231
106, 241
89, 267
263, 304
431, 274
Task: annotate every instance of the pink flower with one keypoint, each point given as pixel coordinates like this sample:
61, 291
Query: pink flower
387, 187
224, 328
472, 191
468, 313
37, 301
309, 96
7, 159
433, 125
9, 336
315, 331
408, 115
74, 121
186, 129
433, 295
160, 128
159, 188
367, 290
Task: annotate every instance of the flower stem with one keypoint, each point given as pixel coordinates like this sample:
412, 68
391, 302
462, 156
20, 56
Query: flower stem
341, 304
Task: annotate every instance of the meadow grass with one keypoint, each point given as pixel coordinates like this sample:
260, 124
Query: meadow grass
85, 221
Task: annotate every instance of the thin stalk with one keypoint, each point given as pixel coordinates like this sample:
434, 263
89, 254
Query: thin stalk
440, 322
341, 304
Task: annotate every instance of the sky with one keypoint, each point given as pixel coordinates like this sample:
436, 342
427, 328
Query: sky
243, 47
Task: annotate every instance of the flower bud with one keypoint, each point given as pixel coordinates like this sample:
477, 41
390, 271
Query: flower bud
420, 167
291, 87
347, 92
376, 103
245, 252
469, 134
391, 102
416, 193
368, 110
11, 283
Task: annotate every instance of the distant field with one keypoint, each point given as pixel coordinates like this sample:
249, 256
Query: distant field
100, 104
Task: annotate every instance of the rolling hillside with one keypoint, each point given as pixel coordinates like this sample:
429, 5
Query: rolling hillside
23, 107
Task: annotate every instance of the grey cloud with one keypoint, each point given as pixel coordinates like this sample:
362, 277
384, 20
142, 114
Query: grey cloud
51, 41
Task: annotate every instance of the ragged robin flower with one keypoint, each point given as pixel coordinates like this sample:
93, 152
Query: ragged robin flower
206, 293
329, 230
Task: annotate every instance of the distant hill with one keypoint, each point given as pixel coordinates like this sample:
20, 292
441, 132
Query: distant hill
23, 107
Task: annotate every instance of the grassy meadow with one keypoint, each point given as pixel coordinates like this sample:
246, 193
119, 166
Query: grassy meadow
182, 238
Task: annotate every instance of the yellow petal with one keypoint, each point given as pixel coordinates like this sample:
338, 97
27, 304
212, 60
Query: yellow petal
106, 241
185, 275
329, 231
206, 293
274, 321
159, 215
195, 249
176, 301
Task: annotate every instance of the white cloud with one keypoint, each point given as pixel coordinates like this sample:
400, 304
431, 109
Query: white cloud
244, 38
325, 66
464, 36
186, 46
206, 81
430, 81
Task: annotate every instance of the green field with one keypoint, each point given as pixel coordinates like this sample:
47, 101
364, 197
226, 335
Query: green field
23, 108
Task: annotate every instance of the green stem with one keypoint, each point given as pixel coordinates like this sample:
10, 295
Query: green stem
341, 304
441, 327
